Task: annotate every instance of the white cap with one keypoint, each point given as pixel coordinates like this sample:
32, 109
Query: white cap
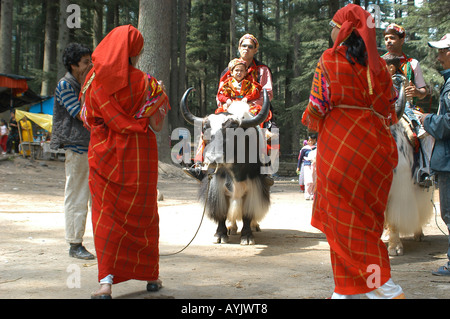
442, 43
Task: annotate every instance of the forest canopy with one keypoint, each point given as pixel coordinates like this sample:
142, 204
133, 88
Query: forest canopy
204, 37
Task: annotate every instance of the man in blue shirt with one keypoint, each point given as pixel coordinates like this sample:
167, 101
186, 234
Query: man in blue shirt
70, 134
438, 125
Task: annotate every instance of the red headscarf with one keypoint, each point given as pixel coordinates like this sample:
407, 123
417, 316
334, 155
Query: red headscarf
111, 57
354, 18
113, 73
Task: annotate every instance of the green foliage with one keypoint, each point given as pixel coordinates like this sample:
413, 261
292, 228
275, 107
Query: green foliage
292, 34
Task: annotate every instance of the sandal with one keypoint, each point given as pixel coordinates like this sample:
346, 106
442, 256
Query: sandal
442, 271
153, 286
102, 296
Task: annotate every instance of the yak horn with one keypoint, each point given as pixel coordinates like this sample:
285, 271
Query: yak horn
188, 116
401, 102
261, 116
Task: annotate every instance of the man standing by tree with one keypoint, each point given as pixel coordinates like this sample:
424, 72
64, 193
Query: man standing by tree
70, 134
438, 125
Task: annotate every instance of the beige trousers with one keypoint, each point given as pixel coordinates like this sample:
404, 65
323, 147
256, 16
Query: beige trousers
77, 196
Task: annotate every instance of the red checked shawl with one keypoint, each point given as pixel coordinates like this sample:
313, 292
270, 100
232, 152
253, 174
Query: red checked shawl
356, 155
123, 159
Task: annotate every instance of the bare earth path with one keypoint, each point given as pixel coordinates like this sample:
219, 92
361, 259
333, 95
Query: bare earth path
289, 261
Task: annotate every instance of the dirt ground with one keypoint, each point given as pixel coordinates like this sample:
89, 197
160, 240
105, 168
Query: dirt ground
289, 261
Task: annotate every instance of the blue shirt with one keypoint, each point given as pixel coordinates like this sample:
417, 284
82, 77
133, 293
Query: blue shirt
438, 125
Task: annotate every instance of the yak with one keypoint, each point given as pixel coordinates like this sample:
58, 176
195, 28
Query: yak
234, 189
409, 204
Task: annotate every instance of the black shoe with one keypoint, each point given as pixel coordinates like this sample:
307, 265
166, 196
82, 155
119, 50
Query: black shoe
195, 172
78, 251
154, 286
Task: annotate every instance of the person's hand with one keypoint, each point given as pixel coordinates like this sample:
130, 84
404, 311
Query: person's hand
422, 117
161, 83
412, 91
85, 72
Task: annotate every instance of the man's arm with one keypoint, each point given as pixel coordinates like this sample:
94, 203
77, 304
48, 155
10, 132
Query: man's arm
419, 87
65, 95
437, 125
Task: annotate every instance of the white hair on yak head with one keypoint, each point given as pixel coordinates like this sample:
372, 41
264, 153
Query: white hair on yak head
240, 108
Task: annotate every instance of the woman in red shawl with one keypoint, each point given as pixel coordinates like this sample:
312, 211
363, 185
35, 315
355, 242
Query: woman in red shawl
351, 107
121, 103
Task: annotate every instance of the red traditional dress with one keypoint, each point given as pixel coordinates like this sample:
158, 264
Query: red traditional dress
235, 91
123, 158
351, 107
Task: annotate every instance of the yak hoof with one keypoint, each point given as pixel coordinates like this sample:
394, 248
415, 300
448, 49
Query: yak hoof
419, 236
232, 230
255, 226
395, 250
247, 240
221, 238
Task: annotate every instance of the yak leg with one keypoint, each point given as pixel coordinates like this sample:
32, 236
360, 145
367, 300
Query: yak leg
246, 232
255, 226
232, 229
221, 233
418, 236
395, 246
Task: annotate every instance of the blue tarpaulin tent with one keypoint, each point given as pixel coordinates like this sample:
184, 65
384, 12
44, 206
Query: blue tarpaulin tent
45, 106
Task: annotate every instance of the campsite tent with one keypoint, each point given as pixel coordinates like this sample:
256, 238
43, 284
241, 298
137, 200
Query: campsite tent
43, 120
14, 92
45, 106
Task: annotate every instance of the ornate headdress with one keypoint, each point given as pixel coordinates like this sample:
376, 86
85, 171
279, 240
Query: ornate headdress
235, 62
395, 28
251, 37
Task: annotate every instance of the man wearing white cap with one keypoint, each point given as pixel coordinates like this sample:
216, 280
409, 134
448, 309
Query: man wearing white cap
438, 125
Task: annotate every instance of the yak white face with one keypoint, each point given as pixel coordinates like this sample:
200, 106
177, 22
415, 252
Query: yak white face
216, 130
236, 112
240, 109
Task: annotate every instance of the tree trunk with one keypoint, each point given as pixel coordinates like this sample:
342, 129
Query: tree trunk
6, 36
286, 135
260, 26
63, 38
112, 9
97, 23
183, 16
203, 58
155, 17
173, 97
50, 28
246, 17
333, 7
18, 42
233, 30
